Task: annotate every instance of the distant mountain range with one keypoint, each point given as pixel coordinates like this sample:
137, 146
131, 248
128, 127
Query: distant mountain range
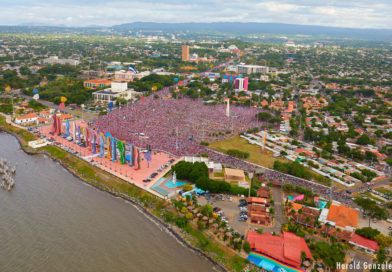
234, 28
264, 28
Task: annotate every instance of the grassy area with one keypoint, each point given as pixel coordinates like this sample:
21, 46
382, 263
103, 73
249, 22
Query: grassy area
234, 262
383, 190
219, 175
23, 135
265, 159
371, 196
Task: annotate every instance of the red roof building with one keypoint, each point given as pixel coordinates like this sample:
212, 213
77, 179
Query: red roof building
286, 248
343, 216
97, 83
257, 200
364, 243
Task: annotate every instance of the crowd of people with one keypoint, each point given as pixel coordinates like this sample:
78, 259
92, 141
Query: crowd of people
177, 126
321, 190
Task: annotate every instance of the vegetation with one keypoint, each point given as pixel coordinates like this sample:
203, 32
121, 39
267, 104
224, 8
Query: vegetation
70, 88
367, 232
198, 173
238, 153
265, 159
329, 254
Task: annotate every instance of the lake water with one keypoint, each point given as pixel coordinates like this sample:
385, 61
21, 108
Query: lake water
52, 221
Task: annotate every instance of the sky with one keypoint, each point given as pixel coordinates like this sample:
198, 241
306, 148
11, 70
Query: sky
340, 13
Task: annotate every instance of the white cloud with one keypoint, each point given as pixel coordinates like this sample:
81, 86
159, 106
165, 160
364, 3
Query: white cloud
348, 13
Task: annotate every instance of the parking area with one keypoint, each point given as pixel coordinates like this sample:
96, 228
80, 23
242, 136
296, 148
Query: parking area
383, 226
230, 208
231, 212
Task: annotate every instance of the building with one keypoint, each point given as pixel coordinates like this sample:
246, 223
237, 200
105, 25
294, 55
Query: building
241, 84
352, 238
123, 75
185, 52
28, 118
234, 175
55, 60
286, 248
97, 83
340, 216
366, 244
252, 69
117, 90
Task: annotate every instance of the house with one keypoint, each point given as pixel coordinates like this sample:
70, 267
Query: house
307, 215
364, 243
257, 201
352, 238
259, 218
28, 118
286, 248
263, 192
342, 216
65, 116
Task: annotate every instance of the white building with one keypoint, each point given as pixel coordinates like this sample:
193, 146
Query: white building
26, 119
252, 69
117, 90
56, 60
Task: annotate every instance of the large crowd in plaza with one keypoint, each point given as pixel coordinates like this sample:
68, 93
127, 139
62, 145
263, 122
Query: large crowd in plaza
177, 126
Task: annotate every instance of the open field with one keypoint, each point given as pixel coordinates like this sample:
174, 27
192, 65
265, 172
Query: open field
265, 159
255, 154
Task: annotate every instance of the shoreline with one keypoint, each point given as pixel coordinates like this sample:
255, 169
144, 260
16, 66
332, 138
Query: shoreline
173, 231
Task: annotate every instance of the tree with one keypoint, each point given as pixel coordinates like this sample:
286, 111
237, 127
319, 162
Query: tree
187, 187
372, 208
330, 254
364, 139
383, 240
246, 247
367, 232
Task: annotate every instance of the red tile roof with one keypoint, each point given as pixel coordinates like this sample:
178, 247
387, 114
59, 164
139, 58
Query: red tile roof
286, 248
364, 242
343, 216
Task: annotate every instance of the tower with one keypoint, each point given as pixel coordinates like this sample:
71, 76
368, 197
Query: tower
185, 52
228, 107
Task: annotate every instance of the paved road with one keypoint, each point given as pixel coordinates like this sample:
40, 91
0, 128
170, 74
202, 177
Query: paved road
358, 260
81, 114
